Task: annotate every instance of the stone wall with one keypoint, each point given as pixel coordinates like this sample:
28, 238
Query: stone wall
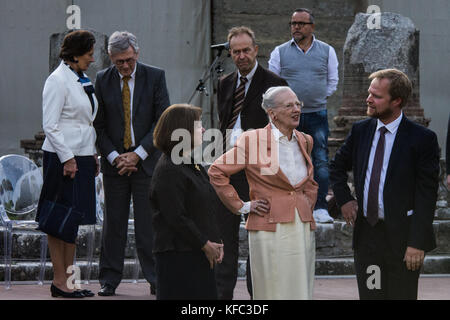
269, 20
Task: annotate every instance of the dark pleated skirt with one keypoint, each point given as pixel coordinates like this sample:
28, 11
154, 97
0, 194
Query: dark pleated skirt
184, 276
84, 200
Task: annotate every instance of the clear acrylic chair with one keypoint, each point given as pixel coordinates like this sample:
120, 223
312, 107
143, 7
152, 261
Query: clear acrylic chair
100, 208
20, 187
137, 264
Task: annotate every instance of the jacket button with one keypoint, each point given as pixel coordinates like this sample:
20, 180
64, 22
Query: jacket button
270, 220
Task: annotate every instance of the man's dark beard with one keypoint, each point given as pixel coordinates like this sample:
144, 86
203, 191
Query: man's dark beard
383, 115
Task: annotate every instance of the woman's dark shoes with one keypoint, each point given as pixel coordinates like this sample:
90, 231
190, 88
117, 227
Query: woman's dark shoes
59, 293
87, 293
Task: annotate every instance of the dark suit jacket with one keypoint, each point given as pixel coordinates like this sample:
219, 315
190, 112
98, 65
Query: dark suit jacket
150, 99
411, 182
183, 203
252, 115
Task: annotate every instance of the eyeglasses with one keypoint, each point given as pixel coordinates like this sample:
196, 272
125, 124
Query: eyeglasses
122, 62
298, 104
299, 24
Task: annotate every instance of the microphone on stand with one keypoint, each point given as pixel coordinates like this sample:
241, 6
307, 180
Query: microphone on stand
221, 46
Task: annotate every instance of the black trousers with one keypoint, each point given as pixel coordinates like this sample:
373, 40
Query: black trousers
381, 273
229, 225
118, 193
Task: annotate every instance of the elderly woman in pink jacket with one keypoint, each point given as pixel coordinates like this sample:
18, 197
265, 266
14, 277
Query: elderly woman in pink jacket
278, 166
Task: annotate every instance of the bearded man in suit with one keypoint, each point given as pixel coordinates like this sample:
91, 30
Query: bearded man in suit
132, 96
395, 165
239, 96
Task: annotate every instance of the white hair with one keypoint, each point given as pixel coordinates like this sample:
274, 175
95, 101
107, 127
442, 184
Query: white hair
270, 97
120, 41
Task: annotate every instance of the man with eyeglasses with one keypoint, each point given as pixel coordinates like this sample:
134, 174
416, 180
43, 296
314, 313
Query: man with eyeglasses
239, 97
132, 96
310, 67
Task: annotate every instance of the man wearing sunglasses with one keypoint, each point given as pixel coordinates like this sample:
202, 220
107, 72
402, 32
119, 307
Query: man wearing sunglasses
310, 67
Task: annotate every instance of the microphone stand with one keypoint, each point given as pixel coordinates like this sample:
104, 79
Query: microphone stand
217, 66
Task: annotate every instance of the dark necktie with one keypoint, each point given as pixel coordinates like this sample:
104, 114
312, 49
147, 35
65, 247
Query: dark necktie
374, 185
126, 97
239, 97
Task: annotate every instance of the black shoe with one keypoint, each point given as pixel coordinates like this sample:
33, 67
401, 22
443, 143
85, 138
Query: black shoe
87, 293
107, 291
59, 293
153, 289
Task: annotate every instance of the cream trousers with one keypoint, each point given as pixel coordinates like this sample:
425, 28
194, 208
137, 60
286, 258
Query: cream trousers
283, 262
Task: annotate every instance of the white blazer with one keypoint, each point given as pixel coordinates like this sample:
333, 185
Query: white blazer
67, 116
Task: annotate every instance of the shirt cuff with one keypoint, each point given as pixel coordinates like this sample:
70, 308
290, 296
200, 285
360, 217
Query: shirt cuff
140, 151
245, 208
112, 156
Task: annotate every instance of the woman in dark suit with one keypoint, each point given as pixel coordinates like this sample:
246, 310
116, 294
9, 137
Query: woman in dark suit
70, 160
186, 244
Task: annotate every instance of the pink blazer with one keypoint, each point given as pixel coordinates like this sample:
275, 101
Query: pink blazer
253, 153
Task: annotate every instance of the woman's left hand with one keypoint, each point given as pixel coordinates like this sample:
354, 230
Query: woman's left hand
260, 207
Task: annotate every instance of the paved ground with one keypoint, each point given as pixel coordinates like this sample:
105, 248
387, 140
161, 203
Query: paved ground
430, 288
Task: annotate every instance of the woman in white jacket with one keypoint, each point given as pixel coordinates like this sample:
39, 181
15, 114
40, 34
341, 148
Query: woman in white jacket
70, 160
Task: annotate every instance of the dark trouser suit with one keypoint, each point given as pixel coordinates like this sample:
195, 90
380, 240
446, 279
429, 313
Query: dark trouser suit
373, 249
229, 225
118, 192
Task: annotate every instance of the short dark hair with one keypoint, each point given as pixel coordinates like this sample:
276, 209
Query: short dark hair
399, 84
76, 43
177, 116
308, 11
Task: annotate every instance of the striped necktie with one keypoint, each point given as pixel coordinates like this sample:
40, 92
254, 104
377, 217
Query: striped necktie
126, 99
239, 97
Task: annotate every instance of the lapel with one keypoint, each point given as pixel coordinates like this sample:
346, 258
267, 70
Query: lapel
301, 140
138, 88
229, 88
116, 91
365, 144
396, 153
72, 77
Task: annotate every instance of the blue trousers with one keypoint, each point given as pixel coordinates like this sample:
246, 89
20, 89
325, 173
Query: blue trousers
316, 125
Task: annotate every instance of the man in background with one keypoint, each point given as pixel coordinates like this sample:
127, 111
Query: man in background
310, 67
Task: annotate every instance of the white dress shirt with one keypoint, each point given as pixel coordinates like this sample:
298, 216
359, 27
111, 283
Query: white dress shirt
237, 129
333, 74
140, 151
291, 160
389, 142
